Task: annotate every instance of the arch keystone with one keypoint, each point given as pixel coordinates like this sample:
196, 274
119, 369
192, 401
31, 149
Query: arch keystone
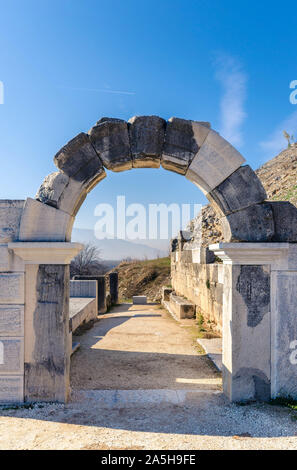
110, 139
146, 138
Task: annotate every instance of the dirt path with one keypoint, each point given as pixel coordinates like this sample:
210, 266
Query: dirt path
139, 383
140, 347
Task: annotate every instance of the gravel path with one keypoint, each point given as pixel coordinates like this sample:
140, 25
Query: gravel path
121, 407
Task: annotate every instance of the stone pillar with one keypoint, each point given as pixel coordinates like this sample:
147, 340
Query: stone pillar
101, 285
259, 320
114, 287
46, 353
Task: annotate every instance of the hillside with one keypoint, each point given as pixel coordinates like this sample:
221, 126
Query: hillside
143, 278
279, 178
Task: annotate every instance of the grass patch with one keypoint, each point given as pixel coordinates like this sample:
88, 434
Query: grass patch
287, 402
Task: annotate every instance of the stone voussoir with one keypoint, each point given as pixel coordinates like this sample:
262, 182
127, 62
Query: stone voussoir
62, 192
253, 224
110, 139
215, 161
285, 221
183, 139
78, 160
240, 190
147, 135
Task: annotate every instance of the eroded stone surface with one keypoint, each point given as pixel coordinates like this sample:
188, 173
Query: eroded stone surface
12, 360
110, 139
12, 288
147, 135
240, 190
11, 389
253, 224
285, 221
10, 216
183, 138
79, 160
11, 320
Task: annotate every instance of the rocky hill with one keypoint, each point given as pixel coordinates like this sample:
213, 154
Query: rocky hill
279, 178
143, 278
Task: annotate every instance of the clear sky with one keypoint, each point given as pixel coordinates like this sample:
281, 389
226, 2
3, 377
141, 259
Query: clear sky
66, 63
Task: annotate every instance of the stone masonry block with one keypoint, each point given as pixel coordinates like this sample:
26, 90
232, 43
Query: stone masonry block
11, 320
11, 355
9, 261
285, 221
214, 162
110, 139
53, 225
11, 389
79, 160
253, 224
62, 192
147, 135
11, 288
10, 216
183, 138
240, 190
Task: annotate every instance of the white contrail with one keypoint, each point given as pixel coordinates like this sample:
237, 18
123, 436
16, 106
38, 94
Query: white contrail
102, 90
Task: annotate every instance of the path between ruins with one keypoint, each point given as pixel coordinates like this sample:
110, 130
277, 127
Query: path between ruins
140, 382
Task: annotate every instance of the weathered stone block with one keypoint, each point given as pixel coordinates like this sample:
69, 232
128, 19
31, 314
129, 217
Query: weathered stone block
166, 291
11, 288
83, 288
9, 261
214, 162
10, 216
101, 289
240, 190
182, 307
285, 221
114, 287
253, 224
79, 160
54, 225
284, 334
147, 135
110, 139
246, 332
47, 360
11, 389
11, 320
183, 138
202, 255
139, 299
11, 355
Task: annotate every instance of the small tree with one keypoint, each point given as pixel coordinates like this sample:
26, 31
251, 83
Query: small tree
87, 262
289, 138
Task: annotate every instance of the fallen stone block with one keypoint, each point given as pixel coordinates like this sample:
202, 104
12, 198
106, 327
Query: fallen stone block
253, 224
110, 139
215, 161
147, 135
139, 299
285, 221
181, 307
78, 160
240, 190
183, 138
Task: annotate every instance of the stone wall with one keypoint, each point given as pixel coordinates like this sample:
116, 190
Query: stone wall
200, 283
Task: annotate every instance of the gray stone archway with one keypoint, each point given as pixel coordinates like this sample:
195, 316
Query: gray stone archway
259, 253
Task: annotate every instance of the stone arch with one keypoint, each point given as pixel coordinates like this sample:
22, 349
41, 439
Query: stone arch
189, 148
37, 253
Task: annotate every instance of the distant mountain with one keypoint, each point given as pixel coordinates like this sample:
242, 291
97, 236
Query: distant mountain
115, 249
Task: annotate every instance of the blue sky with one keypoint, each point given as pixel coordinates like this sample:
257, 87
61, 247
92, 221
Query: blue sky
66, 63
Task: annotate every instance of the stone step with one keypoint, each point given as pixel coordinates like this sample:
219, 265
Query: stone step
213, 349
114, 399
181, 307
